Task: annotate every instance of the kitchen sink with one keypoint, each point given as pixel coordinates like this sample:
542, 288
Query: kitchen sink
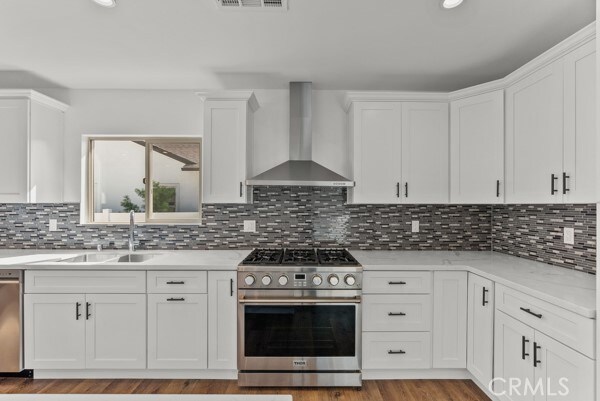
91, 258
135, 258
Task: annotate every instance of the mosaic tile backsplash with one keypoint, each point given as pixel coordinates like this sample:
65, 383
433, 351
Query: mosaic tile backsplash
301, 216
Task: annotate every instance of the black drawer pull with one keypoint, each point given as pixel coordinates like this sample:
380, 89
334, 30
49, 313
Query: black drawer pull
535, 354
87, 311
524, 342
497, 188
565, 188
553, 189
175, 299
77, 314
398, 352
396, 282
484, 301
231, 287
176, 282
538, 315
397, 190
396, 314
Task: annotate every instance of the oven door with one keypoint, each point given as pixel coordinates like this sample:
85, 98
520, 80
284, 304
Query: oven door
288, 334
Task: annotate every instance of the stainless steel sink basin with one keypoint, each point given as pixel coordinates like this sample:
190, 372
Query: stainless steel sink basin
135, 258
91, 258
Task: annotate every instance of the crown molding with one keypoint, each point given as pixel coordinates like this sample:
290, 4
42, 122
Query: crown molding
246, 96
574, 41
33, 95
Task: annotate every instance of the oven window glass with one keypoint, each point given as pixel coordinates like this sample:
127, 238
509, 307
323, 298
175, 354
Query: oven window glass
298, 330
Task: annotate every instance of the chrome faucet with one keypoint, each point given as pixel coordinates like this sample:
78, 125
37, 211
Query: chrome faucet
131, 231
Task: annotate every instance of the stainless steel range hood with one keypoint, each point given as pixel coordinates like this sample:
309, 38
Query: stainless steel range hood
300, 169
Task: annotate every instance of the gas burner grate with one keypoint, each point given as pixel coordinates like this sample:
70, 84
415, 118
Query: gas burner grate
336, 257
264, 256
299, 256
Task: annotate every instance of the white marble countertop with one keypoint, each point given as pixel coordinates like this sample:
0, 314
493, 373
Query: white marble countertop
569, 289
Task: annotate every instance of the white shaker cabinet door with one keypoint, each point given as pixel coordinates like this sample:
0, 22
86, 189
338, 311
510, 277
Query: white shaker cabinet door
222, 320
534, 137
480, 328
54, 331
115, 331
177, 331
477, 149
376, 152
14, 152
425, 166
579, 181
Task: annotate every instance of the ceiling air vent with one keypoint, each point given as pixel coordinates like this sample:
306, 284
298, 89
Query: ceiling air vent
280, 5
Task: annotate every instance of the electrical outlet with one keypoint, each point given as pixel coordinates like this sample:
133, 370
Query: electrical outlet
569, 236
249, 226
415, 226
53, 225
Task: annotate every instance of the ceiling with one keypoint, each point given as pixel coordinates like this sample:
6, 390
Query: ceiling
337, 44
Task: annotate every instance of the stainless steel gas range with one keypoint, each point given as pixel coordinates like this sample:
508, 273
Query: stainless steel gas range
299, 318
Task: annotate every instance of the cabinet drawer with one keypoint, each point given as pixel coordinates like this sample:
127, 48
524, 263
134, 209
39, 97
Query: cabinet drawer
387, 282
178, 282
397, 313
396, 350
85, 281
565, 326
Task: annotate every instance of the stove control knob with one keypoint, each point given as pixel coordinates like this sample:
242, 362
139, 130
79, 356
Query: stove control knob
350, 279
250, 279
283, 280
317, 280
333, 279
266, 280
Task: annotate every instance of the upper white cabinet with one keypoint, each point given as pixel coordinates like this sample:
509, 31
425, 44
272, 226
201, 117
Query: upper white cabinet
477, 149
376, 148
226, 148
31, 155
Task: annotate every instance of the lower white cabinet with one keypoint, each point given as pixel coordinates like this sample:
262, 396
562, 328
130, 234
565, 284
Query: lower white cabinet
480, 328
396, 350
449, 319
93, 331
177, 331
222, 318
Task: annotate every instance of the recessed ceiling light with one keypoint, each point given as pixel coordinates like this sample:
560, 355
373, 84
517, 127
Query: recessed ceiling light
106, 3
451, 3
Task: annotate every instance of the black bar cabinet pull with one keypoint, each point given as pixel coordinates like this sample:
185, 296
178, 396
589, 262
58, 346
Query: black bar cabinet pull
176, 282
241, 189
77, 314
497, 188
175, 299
231, 287
535, 354
565, 189
392, 352
484, 301
396, 282
396, 314
87, 311
406, 189
538, 315
524, 341
552, 184
397, 190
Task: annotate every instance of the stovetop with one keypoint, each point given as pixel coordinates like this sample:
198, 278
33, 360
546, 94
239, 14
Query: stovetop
300, 257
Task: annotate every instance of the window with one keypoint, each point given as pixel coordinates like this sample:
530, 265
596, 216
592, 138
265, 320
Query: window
157, 178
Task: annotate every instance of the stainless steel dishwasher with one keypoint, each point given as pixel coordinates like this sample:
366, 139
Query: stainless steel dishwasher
11, 321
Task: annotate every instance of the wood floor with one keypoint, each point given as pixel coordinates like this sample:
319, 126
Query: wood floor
372, 390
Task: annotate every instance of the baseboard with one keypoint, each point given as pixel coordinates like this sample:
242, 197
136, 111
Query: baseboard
135, 374
415, 374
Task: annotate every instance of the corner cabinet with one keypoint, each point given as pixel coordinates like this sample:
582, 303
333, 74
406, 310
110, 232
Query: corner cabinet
227, 146
31, 155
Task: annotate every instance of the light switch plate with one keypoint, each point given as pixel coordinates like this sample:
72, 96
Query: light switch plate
53, 225
249, 226
415, 226
569, 236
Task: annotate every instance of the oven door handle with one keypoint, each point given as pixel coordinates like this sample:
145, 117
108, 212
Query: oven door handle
299, 301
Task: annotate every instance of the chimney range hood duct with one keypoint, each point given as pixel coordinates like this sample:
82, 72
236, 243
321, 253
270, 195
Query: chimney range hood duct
300, 170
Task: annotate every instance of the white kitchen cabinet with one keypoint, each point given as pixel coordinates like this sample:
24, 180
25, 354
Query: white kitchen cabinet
579, 183
227, 146
222, 320
534, 136
31, 155
449, 319
177, 331
480, 328
54, 331
425, 175
376, 145
477, 149
115, 331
